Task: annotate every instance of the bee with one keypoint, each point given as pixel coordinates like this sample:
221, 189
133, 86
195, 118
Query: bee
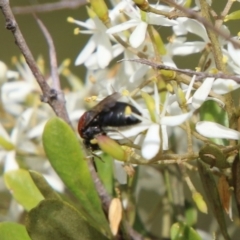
107, 113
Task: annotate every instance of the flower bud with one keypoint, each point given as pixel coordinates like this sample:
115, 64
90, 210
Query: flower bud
213, 156
142, 4
232, 16
150, 103
100, 8
159, 42
201, 204
111, 147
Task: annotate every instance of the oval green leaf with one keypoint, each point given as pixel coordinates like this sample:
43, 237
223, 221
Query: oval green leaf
43, 186
21, 185
105, 172
13, 231
67, 158
54, 219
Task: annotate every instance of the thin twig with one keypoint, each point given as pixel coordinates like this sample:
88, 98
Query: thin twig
52, 55
215, 45
188, 72
225, 11
49, 7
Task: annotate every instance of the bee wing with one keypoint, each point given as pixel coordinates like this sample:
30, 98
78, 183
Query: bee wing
105, 105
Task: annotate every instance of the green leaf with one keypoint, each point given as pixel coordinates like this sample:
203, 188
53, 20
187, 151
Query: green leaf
21, 185
54, 219
13, 231
105, 172
67, 158
43, 186
211, 191
181, 231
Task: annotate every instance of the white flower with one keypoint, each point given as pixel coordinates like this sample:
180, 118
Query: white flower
99, 41
153, 139
223, 86
6, 74
140, 21
14, 93
179, 46
195, 102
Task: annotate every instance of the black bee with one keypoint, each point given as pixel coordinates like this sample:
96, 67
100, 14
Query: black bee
107, 113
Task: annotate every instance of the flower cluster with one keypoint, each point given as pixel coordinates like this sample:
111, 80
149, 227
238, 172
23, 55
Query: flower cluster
166, 102
23, 117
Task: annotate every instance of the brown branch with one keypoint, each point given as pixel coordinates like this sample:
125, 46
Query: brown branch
225, 11
188, 72
49, 95
49, 7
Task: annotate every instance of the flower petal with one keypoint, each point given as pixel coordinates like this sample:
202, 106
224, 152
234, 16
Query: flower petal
160, 20
138, 35
87, 51
104, 51
187, 48
223, 86
175, 120
139, 73
10, 162
120, 173
123, 26
126, 132
233, 52
201, 93
215, 130
197, 28
152, 142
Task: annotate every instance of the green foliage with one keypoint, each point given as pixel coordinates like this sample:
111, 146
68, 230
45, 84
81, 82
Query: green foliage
20, 183
54, 219
67, 158
105, 171
181, 231
13, 231
43, 186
